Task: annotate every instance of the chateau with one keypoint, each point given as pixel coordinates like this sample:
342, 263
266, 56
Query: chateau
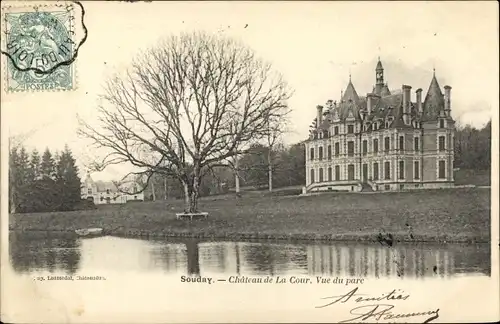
101, 192
383, 141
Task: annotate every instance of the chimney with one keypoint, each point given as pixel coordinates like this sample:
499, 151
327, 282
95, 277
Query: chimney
406, 103
419, 101
369, 102
319, 118
447, 100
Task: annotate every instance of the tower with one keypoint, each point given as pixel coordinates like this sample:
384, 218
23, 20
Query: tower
379, 77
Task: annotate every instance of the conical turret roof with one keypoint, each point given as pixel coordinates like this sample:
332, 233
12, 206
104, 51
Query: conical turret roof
434, 100
379, 65
350, 93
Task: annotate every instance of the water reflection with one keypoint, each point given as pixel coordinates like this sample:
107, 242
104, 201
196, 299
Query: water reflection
69, 255
31, 253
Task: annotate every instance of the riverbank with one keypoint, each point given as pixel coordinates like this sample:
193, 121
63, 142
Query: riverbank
454, 215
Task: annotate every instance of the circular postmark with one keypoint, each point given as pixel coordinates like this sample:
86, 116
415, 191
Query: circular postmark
40, 47
40, 41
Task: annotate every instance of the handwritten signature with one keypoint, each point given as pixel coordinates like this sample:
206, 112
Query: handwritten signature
377, 311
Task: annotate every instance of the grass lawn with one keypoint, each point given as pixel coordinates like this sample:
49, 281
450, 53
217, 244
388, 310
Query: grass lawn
474, 177
431, 215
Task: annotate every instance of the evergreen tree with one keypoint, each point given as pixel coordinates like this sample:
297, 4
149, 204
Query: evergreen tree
24, 181
13, 182
67, 181
47, 182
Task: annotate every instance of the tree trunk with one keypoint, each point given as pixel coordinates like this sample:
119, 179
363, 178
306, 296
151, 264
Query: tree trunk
165, 187
153, 189
193, 207
236, 175
270, 170
187, 198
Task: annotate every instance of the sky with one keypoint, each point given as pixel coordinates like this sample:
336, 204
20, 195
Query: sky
314, 45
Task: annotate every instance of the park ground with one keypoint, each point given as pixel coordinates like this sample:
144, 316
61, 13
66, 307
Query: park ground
445, 215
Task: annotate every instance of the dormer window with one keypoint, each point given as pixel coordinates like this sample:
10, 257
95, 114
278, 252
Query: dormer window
441, 123
350, 129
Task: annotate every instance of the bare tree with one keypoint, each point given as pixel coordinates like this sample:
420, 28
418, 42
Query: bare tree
276, 127
185, 106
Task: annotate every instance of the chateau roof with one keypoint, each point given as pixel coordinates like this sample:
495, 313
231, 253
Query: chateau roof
350, 93
102, 186
388, 106
434, 100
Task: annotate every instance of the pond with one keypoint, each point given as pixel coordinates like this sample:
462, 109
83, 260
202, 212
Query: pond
69, 255
129, 280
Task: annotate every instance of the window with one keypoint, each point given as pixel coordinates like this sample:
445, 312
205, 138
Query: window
350, 148
387, 170
135, 197
350, 129
312, 175
416, 144
325, 134
89, 191
375, 171
365, 147
337, 172
442, 170
442, 143
375, 145
102, 198
374, 126
107, 191
387, 144
401, 169
312, 153
320, 174
320, 157
329, 174
336, 130
416, 170
401, 143
337, 149
387, 187
350, 172
329, 150
441, 123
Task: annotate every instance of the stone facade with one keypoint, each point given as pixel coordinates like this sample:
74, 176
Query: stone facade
383, 141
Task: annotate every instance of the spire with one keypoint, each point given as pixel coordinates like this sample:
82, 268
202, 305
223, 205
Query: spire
379, 65
379, 77
350, 92
434, 100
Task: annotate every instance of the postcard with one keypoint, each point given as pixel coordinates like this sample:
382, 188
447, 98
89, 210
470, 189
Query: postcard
312, 162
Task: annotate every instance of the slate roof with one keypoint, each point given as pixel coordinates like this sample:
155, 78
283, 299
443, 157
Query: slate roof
434, 101
101, 186
386, 107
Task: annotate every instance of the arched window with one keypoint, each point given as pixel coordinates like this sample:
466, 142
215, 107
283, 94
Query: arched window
312, 175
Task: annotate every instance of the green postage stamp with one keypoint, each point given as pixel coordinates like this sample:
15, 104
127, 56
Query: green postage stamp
39, 47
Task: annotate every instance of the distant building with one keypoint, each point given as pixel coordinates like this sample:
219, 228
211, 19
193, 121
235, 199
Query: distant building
101, 192
383, 141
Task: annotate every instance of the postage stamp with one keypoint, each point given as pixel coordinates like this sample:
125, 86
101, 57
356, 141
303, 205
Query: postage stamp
39, 47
